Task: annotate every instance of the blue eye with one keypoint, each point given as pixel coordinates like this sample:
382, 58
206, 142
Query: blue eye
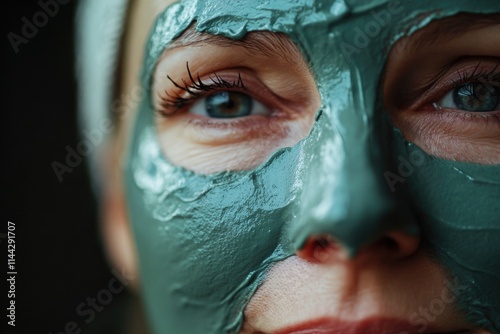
228, 104
473, 97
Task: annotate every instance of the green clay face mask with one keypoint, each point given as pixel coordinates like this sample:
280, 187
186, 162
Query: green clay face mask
206, 242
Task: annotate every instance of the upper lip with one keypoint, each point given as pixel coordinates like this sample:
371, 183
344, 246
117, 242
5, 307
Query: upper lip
368, 326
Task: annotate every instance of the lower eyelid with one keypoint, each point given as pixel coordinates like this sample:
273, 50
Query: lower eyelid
458, 122
208, 131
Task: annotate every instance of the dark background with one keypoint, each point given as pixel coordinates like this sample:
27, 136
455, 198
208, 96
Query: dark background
59, 259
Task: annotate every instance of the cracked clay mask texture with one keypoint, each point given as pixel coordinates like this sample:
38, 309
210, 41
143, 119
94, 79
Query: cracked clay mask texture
206, 242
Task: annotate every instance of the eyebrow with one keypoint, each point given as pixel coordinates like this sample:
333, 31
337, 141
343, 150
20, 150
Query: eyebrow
270, 44
436, 35
445, 30
264, 43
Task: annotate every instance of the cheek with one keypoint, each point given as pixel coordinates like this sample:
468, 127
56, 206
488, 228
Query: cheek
457, 205
204, 241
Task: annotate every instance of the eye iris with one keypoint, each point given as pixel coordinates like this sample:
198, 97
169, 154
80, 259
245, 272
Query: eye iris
477, 97
228, 105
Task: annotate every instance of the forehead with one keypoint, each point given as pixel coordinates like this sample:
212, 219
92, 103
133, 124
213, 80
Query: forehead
316, 21
317, 26
233, 18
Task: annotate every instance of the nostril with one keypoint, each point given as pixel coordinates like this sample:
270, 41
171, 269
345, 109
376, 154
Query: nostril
323, 242
319, 249
399, 245
395, 245
390, 244
322, 249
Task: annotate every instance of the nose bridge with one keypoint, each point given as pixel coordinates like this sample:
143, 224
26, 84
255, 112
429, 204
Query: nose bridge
344, 191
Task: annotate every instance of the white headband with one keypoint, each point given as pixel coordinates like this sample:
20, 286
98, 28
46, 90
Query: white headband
99, 28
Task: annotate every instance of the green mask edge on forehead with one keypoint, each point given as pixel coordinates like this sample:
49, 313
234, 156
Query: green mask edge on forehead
180, 16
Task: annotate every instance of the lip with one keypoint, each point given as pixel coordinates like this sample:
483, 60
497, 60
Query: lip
368, 326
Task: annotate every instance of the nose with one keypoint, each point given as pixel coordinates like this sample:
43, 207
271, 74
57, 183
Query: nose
346, 205
346, 212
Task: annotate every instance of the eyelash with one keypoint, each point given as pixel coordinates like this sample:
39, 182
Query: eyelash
195, 88
486, 76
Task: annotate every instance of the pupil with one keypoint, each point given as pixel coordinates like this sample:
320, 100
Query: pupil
228, 105
477, 97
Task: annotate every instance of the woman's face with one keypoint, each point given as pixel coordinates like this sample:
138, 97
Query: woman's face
319, 167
